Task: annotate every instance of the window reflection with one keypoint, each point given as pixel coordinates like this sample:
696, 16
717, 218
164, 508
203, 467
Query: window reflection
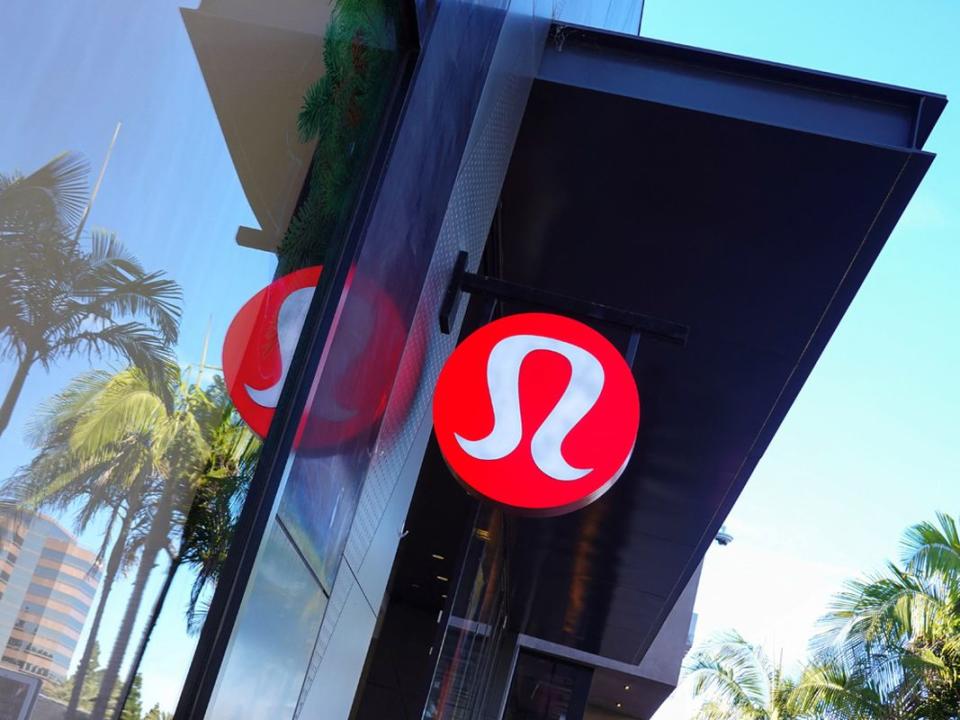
60, 297
277, 628
547, 689
474, 631
161, 468
123, 465
159, 164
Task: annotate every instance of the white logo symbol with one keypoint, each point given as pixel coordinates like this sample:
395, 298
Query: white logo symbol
290, 319
503, 382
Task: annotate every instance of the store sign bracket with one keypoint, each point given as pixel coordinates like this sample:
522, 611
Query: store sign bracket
495, 290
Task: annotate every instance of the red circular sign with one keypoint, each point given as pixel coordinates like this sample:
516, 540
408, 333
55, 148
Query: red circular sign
371, 338
260, 343
537, 412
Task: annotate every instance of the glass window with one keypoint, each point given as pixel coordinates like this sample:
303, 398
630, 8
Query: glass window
474, 629
545, 688
277, 628
160, 164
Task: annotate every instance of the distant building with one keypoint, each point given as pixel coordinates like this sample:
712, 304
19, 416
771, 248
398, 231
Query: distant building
47, 584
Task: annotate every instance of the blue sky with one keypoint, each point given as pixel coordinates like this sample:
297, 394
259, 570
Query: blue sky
871, 445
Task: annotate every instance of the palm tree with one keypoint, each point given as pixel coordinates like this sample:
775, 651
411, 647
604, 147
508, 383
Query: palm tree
207, 529
210, 525
892, 641
178, 450
59, 299
208, 467
109, 444
111, 481
932, 550
829, 691
737, 681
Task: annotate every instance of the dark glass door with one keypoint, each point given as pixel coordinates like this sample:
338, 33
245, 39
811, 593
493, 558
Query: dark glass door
546, 688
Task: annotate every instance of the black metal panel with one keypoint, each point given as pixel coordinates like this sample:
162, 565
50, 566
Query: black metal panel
499, 290
754, 235
738, 87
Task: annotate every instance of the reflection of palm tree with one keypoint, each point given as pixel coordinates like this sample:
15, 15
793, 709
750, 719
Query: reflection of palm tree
211, 522
177, 451
219, 489
58, 299
209, 525
111, 444
111, 481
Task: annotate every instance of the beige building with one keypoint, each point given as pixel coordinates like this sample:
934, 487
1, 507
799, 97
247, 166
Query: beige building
47, 585
257, 60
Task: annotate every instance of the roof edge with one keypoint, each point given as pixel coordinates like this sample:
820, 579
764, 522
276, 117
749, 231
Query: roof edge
741, 87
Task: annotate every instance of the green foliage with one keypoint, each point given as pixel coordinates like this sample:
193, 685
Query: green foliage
737, 681
341, 111
220, 490
133, 707
110, 446
896, 635
91, 683
156, 713
129, 449
889, 648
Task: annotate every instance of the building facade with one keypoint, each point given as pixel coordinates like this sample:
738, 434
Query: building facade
48, 583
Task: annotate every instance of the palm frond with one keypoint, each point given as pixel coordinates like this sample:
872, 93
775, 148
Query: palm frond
55, 193
710, 710
830, 691
881, 611
933, 549
114, 285
126, 406
731, 670
55, 414
132, 341
106, 249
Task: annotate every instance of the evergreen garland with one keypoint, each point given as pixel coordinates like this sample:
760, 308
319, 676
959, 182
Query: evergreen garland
341, 110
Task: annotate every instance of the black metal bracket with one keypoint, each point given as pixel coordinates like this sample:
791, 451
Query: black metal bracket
638, 324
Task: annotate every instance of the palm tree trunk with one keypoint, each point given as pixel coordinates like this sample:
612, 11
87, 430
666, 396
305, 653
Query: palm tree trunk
156, 540
147, 632
109, 575
16, 387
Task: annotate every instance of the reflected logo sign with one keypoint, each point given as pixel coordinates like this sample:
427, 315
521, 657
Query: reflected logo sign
260, 343
537, 412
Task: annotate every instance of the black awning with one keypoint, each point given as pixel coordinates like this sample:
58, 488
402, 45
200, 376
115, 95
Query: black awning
742, 199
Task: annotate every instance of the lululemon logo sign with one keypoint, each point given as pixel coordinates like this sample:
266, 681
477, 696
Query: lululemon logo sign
260, 343
536, 412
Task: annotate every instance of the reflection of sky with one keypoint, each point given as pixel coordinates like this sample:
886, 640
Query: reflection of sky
281, 611
71, 71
